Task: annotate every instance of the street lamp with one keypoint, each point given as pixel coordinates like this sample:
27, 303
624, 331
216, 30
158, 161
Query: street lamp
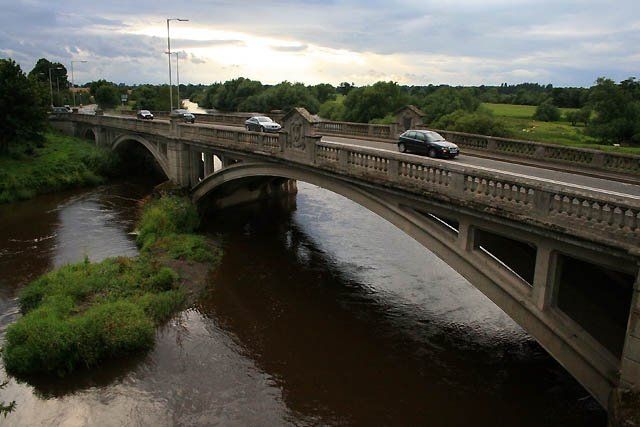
73, 86
169, 55
177, 54
51, 83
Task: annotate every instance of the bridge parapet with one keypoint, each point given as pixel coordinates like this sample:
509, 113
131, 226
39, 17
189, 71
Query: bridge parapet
608, 218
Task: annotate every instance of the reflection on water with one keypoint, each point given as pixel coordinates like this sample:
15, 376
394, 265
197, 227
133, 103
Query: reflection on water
320, 313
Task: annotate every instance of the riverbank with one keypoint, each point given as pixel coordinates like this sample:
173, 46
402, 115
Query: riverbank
56, 163
83, 314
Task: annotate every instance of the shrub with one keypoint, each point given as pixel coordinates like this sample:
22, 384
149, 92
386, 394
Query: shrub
547, 112
164, 216
480, 122
84, 313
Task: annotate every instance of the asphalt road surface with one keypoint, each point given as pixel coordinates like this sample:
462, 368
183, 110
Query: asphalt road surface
557, 177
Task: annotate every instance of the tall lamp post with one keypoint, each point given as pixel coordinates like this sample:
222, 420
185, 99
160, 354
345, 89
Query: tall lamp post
177, 54
73, 86
169, 55
51, 83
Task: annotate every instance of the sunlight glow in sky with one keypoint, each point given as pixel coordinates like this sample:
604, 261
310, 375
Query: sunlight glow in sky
467, 42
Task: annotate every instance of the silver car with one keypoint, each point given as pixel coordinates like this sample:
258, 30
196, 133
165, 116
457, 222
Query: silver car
262, 124
185, 115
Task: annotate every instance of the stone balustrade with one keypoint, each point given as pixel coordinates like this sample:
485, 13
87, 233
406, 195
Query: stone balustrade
358, 130
586, 158
608, 218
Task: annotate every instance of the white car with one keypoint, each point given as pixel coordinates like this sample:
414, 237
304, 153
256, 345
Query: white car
144, 115
262, 124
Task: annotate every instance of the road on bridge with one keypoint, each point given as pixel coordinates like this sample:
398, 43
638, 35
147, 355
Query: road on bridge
555, 176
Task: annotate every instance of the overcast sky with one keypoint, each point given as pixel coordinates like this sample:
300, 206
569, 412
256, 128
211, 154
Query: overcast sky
460, 42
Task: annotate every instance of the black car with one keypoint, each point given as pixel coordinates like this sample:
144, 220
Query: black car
144, 115
428, 142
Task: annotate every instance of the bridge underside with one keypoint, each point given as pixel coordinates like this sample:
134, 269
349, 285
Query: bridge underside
528, 273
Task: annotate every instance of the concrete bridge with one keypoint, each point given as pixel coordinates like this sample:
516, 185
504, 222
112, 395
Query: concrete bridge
560, 259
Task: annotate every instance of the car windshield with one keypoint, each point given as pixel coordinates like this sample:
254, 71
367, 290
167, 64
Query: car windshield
434, 136
264, 119
144, 112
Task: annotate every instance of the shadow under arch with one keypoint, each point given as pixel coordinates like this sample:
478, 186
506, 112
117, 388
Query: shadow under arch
90, 134
492, 282
122, 142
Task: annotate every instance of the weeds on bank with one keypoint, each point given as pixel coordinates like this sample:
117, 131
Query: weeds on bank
81, 314
58, 162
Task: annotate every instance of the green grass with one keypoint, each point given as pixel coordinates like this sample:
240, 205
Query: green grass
57, 163
520, 125
82, 314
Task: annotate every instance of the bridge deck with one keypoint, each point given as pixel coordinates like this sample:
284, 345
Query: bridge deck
553, 175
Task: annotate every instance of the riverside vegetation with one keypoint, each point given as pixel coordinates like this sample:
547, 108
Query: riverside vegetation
56, 162
83, 314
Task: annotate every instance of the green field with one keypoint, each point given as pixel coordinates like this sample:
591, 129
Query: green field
521, 125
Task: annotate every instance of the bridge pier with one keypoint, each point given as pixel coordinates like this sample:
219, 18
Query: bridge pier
178, 163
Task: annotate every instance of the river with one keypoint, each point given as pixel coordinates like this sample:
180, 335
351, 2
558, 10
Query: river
321, 313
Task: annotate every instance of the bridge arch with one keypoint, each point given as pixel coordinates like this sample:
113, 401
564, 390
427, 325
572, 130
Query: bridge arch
495, 283
90, 134
120, 142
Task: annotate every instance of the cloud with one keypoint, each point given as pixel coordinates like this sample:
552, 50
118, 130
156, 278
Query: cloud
415, 41
296, 48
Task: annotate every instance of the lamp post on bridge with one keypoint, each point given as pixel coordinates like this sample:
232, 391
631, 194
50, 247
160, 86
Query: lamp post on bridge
169, 55
73, 86
177, 54
51, 83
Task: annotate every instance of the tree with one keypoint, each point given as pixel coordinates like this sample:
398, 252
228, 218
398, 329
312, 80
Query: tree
366, 103
107, 96
446, 100
323, 92
233, 92
40, 72
481, 122
23, 109
617, 110
283, 96
547, 112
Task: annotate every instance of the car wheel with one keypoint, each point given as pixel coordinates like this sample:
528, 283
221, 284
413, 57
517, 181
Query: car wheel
432, 152
247, 127
402, 148
262, 129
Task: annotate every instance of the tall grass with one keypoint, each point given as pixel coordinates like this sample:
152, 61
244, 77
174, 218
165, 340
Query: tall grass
58, 162
82, 314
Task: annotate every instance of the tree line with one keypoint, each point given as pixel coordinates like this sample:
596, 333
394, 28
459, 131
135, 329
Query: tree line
609, 110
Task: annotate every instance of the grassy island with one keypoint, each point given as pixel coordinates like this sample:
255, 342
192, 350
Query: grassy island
57, 162
82, 314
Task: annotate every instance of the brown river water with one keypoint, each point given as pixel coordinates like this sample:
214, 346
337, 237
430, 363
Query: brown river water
321, 313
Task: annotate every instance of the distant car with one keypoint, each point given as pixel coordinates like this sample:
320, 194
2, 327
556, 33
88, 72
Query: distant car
144, 115
428, 142
262, 124
60, 110
186, 116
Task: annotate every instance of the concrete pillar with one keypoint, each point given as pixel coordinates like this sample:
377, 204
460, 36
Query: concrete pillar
208, 164
465, 236
624, 402
194, 168
178, 163
630, 363
544, 277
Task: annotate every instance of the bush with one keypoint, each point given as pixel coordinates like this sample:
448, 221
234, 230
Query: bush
165, 216
547, 112
84, 313
481, 122
61, 162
